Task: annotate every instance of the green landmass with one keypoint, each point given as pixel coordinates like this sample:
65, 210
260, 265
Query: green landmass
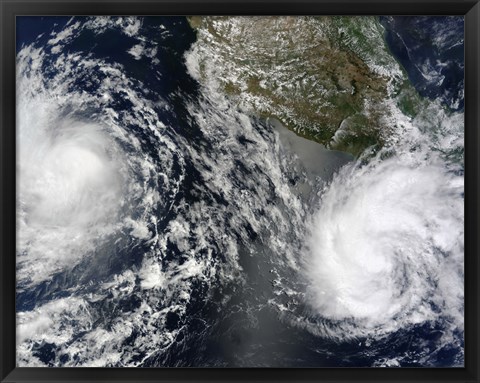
328, 79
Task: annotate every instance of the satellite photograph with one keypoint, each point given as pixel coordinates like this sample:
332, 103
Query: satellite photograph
232, 191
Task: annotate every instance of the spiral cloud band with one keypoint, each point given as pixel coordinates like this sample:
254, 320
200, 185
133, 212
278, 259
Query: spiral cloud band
160, 223
387, 250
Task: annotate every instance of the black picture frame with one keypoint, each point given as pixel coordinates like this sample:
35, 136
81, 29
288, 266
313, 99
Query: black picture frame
9, 9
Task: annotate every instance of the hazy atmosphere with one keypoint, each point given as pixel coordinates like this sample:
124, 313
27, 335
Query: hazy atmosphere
240, 191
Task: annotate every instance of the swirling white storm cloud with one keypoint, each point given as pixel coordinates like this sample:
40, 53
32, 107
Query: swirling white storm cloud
132, 228
386, 248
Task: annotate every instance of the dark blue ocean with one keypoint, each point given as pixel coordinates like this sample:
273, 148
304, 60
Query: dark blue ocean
208, 333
